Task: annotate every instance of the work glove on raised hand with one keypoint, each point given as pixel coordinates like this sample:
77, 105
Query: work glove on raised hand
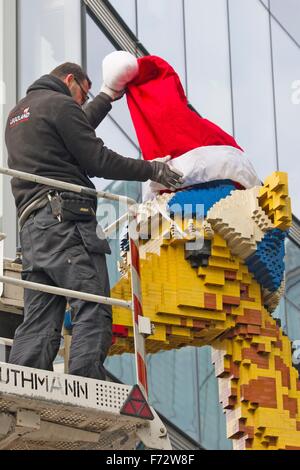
113, 95
118, 69
165, 175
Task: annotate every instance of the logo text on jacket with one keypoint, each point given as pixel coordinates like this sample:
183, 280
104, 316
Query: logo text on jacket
23, 117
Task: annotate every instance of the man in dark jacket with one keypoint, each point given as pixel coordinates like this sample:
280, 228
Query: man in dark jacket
49, 134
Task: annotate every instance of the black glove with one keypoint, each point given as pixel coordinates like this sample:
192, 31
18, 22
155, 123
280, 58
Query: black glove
163, 174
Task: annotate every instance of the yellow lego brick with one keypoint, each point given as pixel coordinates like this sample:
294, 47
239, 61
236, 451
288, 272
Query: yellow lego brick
180, 331
122, 317
220, 251
274, 200
163, 315
189, 299
218, 241
231, 263
212, 275
229, 289
159, 333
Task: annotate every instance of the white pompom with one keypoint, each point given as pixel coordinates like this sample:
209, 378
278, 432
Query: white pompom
119, 69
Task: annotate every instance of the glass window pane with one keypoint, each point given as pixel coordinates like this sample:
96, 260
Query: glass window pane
126, 9
280, 313
172, 388
116, 140
288, 13
292, 277
160, 29
98, 46
252, 83
293, 320
212, 419
208, 60
122, 367
49, 34
287, 73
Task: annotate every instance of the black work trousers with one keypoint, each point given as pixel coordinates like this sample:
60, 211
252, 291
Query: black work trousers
68, 255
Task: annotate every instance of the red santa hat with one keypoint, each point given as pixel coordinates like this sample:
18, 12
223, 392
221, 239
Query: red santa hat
165, 125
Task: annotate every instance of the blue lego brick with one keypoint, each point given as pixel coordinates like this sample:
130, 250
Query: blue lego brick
208, 194
267, 263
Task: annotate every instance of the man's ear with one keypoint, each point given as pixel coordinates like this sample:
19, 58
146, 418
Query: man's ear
68, 79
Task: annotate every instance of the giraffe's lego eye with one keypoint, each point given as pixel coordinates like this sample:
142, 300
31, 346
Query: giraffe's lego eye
199, 257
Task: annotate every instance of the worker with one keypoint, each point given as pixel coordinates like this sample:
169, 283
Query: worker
49, 134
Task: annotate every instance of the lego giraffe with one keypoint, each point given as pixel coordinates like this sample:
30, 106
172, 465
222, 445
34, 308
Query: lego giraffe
258, 387
214, 296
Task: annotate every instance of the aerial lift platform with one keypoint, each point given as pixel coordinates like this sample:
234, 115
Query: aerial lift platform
56, 411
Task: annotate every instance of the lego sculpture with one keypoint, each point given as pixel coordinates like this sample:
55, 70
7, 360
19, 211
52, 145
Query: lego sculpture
214, 278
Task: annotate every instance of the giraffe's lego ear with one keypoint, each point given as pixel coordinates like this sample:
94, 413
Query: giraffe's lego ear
274, 200
239, 219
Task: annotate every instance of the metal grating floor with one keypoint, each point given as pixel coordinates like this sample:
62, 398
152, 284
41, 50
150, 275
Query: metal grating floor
61, 427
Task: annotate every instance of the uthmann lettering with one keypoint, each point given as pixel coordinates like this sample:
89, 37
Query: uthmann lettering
48, 384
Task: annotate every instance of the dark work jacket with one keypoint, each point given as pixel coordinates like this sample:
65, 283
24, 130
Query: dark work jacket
48, 134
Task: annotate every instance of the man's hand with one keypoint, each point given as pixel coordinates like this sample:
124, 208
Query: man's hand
113, 95
118, 69
163, 174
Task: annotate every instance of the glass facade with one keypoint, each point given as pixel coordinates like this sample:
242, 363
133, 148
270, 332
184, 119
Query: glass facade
238, 65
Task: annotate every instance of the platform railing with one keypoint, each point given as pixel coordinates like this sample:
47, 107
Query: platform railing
136, 303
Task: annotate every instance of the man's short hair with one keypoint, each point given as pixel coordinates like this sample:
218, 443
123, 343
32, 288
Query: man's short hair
69, 68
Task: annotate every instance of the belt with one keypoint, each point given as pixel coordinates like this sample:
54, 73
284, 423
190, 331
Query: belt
39, 203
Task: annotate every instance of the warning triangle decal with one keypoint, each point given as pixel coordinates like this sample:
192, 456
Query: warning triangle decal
136, 405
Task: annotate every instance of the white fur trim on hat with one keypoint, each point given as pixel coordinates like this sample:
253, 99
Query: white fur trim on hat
119, 69
204, 164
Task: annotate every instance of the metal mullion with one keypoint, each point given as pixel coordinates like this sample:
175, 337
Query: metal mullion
111, 21
83, 36
185, 47
230, 68
268, 8
273, 88
111, 25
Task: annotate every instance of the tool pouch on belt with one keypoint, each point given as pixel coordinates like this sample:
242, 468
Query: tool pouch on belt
72, 207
